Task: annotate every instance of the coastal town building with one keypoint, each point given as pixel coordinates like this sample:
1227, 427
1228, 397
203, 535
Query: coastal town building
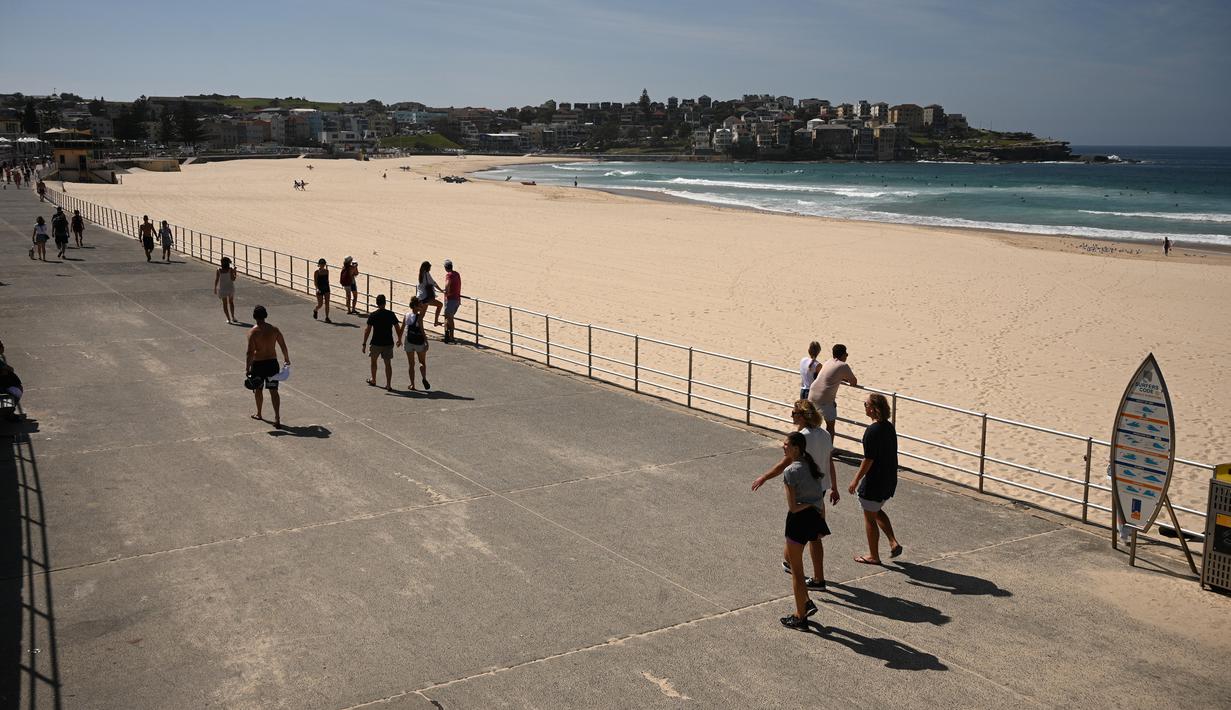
908, 115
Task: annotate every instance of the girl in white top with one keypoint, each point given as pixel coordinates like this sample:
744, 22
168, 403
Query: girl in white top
224, 288
808, 369
427, 289
167, 239
40, 237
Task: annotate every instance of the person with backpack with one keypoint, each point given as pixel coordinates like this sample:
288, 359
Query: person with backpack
415, 340
349, 279
59, 230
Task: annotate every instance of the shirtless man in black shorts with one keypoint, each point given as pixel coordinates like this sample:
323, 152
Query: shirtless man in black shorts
262, 361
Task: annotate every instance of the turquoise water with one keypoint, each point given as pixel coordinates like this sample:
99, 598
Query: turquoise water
1183, 193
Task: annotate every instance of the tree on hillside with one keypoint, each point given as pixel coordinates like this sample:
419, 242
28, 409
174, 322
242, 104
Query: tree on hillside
644, 102
49, 117
166, 128
186, 120
29, 118
98, 107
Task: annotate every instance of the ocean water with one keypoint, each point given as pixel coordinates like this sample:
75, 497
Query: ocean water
1182, 193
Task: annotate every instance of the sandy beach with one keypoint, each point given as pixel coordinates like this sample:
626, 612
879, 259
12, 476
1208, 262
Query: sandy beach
1028, 328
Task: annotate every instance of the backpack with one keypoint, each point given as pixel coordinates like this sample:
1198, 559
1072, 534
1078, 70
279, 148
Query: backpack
414, 330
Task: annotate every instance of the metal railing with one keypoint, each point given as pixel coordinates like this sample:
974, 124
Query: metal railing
745, 389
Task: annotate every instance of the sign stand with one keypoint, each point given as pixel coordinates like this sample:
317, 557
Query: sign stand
1132, 549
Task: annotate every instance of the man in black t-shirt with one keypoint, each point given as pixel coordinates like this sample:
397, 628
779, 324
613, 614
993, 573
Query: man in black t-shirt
381, 326
877, 479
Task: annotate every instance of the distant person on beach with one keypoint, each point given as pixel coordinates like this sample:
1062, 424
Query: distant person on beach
415, 339
804, 522
166, 239
261, 362
42, 191
147, 233
808, 367
39, 239
59, 231
453, 297
819, 446
427, 288
877, 479
1166, 246
349, 281
17, 178
320, 278
823, 392
224, 288
381, 325
78, 226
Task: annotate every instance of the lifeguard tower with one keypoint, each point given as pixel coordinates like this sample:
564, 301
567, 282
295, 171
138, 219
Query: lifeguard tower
78, 156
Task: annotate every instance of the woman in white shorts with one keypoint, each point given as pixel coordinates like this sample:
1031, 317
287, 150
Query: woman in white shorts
414, 341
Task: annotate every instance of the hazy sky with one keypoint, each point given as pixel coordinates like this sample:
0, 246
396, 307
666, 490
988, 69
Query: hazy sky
1090, 71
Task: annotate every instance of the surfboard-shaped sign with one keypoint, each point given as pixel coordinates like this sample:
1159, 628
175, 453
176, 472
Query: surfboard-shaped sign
1143, 446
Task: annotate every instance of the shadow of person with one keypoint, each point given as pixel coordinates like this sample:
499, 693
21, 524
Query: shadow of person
342, 324
895, 608
946, 581
316, 431
895, 654
429, 394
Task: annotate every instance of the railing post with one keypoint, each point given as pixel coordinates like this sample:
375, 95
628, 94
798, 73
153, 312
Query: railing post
367, 293
547, 336
247, 271
982, 450
636, 363
589, 350
690, 377
476, 322
510, 330
260, 261
893, 410
1085, 490
748, 401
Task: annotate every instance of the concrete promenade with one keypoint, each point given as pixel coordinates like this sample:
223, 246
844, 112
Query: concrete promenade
517, 537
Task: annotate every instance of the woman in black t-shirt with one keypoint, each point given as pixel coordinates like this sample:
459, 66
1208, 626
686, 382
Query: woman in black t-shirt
877, 478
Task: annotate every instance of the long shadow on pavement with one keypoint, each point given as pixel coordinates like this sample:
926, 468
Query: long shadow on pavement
895, 654
896, 608
946, 581
29, 660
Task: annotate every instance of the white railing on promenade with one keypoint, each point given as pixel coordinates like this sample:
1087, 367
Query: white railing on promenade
747, 390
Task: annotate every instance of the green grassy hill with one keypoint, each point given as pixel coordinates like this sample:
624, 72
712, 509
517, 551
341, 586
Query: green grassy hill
254, 103
430, 142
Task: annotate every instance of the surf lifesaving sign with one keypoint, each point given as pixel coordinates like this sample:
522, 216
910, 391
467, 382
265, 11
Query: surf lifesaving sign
1143, 446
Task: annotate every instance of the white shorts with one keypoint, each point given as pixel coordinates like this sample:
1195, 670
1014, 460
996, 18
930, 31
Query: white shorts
871, 506
828, 411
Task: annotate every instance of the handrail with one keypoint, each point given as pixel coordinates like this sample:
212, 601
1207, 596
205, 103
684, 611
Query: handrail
281, 270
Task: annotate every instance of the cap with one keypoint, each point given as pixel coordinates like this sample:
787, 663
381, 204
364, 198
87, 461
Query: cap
347, 260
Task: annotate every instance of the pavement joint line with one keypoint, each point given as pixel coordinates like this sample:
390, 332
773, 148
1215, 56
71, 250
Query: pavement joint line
729, 613
417, 452
258, 535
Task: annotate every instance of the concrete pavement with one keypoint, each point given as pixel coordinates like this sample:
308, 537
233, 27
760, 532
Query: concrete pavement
518, 537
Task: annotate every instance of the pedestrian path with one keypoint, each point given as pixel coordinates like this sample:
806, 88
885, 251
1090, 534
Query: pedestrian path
517, 537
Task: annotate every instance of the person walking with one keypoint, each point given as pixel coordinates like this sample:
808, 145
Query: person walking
804, 522
415, 339
818, 445
1166, 246
166, 239
78, 227
42, 191
808, 367
823, 392
59, 231
147, 233
877, 478
381, 325
320, 279
224, 288
453, 298
261, 363
349, 279
427, 288
39, 239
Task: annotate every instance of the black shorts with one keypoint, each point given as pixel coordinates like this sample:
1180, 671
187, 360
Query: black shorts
805, 526
265, 369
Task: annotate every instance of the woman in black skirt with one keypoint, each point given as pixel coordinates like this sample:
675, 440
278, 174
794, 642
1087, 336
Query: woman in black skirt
804, 522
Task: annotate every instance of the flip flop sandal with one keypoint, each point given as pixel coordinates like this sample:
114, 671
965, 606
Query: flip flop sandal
895, 551
865, 560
